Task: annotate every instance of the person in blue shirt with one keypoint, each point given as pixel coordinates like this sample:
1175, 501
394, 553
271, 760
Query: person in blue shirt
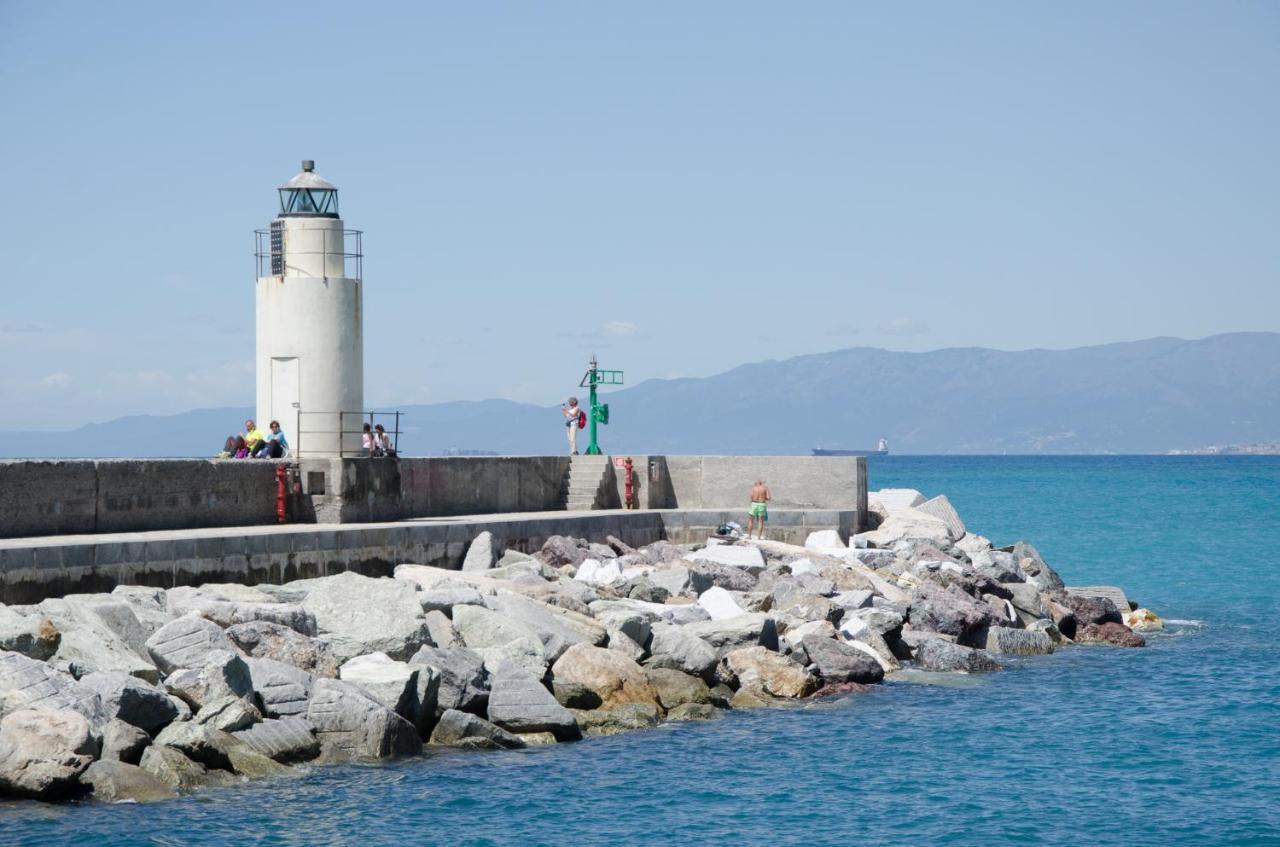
274, 445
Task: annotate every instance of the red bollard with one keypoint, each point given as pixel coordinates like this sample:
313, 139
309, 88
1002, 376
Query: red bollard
280, 494
630, 501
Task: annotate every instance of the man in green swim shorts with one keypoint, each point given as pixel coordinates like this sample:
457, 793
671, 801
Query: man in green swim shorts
759, 507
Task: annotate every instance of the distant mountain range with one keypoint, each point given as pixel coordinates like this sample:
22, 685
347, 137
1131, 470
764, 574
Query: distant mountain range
1148, 396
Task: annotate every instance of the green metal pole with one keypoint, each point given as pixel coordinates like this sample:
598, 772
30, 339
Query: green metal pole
593, 449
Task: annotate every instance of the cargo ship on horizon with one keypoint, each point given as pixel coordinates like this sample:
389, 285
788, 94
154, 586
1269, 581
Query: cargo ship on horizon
882, 449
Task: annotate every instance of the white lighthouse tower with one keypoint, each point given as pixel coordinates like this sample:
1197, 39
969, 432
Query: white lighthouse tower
310, 335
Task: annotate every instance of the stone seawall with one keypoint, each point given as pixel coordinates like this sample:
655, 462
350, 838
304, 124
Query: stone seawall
34, 569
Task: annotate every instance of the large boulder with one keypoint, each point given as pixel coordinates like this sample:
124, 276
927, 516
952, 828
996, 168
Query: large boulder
350, 724
186, 643
761, 669
285, 740
131, 700
28, 684
1109, 632
283, 690
1019, 642
936, 654
267, 640
670, 646
185, 600
228, 714
947, 610
619, 719
221, 673
481, 553
890, 500
123, 742
174, 768
560, 550
497, 638
518, 702
100, 632
1035, 569
358, 615
676, 688
719, 604
747, 630
1093, 610
908, 524
43, 752
555, 627
33, 636
838, 662
677, 579
443, 597
463, 729
117, 782
411, 691
616, 679
749, 558
463, 680
940, 507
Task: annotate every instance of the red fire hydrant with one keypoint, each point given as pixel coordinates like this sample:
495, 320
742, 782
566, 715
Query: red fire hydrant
631, 498
281, 495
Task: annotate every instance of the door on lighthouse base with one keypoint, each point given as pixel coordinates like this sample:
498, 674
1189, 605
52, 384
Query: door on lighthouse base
284, 397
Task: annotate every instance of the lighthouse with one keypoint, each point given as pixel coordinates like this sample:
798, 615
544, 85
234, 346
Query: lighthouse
309, 315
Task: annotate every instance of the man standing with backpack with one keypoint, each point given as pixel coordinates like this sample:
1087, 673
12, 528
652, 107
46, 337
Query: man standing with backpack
575, 419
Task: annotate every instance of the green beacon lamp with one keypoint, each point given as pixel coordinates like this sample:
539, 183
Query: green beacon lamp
599, 411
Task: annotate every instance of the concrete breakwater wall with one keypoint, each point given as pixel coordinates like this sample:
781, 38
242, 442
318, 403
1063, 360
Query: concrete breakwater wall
34, 569
70, 497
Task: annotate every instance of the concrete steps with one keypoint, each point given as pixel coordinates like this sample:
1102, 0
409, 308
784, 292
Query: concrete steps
580, 491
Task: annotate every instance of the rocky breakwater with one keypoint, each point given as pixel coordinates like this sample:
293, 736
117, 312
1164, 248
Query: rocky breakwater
144, 693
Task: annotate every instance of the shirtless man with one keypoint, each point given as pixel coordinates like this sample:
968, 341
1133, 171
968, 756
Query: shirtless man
759, 507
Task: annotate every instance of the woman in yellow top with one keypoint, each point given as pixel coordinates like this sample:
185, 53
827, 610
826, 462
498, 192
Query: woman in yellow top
253, 436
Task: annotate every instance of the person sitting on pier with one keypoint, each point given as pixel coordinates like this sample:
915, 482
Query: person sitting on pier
274, 445
253, 436
382, 442
228, 448
242, 449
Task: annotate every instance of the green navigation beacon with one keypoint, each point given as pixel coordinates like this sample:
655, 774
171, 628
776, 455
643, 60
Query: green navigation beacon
599, 411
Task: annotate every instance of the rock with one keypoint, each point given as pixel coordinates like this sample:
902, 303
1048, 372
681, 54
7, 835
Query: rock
266, 640
810, 608
123, 741
198, 743
595, 572
732, 633
940, 507
31, 635
676, 688
678, 579
117, 782
411, 691
361, 615
1019, 642
228, 714
642, 588
877, 648
719, 604
131, 700
43, 752
221, 673
908, 524
1092, 610
519, 703
283, 690
556, 628
1109, 632
142, 597
839, 662
29, 684
559, 550
463, 684
1025, 597
285, 740
511, 557
462, 729
441, 630
351, 724
99, 633
480, 554
935, 654
172, 767
619, 719
762, 669
856, 599
896, 499
1000, 566
442, 598
616, 679
1034, 567
671, 647
525, 652
185, 600
794, 635
575, 695
947, 610
1143, 620
693, 712
749, 558
634, 625
826, 541
186, 643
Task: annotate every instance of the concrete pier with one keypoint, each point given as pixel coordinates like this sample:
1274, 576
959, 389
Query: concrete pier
32, 569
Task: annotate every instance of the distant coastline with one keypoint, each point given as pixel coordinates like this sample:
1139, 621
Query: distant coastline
1257, 448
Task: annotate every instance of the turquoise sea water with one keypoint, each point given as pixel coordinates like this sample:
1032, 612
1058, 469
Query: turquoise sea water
1175, 744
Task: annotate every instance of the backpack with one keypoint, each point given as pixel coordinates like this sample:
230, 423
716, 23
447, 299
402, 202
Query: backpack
582, 419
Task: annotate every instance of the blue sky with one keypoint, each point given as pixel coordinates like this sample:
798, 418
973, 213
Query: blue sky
679, 187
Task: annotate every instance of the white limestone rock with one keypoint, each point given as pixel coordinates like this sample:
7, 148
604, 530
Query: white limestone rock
481, 554
410, 691
349, 724
518, 702
43, 752
186, 643
825, 541
595, 572
719, 604
895, 499
940, 507
283, 690
28, 684
749, 558
359, 614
